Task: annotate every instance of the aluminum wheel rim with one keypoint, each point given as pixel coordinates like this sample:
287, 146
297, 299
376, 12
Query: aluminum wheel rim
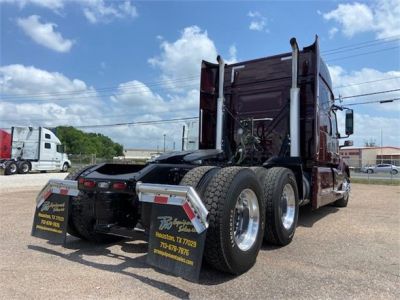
13, 168
287, 206
346, 187
246, 220
25, 168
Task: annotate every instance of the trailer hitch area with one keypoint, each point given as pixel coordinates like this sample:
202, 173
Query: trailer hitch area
178, 195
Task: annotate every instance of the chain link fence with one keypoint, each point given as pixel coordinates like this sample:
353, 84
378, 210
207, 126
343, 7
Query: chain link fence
80, 160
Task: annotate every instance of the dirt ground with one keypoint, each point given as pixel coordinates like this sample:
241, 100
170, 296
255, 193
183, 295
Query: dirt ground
352, 252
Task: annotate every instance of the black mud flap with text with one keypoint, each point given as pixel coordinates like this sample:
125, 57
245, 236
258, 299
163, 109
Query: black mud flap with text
177, 230
174, 244
51, 215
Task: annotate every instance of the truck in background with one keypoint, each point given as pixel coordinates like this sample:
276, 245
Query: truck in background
5, 145
31, 149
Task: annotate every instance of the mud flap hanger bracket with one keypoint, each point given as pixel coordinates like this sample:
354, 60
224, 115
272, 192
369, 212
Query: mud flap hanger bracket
178, 195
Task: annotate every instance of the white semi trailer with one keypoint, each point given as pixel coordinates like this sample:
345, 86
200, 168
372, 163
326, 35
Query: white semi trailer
34, 149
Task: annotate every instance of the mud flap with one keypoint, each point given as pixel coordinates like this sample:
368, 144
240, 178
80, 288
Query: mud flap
178, 229
50, 221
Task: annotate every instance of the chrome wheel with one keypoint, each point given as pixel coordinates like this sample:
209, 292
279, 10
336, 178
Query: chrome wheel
246, 219
13, 168
25, 168
346, 187
287, 206
65, 168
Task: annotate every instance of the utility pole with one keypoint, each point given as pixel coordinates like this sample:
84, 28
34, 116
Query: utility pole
164, 141
183, 138
381, 144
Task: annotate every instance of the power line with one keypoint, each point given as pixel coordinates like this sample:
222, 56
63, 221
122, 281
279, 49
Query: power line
365, 82
360, 47
137, 123
390, 38
368, 94
361, 54
375, 101
109, 94
110, 89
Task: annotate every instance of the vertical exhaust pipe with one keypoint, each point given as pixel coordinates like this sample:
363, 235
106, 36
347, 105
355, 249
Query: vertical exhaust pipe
220, 103
294, 103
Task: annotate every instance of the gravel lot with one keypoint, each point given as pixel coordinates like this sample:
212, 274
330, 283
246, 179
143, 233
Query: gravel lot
337, 253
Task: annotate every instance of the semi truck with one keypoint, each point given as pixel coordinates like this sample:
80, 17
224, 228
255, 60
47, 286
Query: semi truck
32, 149
268, 144
5, 145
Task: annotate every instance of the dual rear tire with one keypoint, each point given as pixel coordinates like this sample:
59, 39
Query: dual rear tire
233, 197
245, 206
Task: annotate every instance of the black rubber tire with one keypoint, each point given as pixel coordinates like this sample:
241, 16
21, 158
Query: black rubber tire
65, 167
394, 172
261, 174
199, 178
81, 215
83, 219
342, 202
370, 171
275, 180
221, 251
23, 167
11, 168
74, 176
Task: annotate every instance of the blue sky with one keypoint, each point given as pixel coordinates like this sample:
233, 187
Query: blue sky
84, 62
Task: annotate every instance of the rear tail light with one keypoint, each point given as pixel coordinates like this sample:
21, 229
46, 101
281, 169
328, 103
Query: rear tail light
81, 180
89, 184
119, 185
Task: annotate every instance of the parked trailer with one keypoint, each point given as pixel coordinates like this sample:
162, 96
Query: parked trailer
5, 145
268, 142
33, 149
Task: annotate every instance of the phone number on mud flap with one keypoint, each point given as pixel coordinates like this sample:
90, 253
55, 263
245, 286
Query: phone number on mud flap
176, 239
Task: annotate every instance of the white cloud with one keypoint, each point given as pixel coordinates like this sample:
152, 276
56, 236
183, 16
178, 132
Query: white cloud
182, 58
99, 11
40, 84
381, 17
95, 11
258, 22
44, 34
369, 119
368, 127
347, 84
51, 4
332, 32
21, 84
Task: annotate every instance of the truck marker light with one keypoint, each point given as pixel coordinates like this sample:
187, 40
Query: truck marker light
161, 199
103, 185
89, 184
188, 210
119, 185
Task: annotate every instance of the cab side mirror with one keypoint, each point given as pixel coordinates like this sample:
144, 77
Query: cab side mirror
349, 122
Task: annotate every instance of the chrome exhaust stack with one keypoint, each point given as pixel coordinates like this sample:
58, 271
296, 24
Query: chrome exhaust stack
220, 103
294, 103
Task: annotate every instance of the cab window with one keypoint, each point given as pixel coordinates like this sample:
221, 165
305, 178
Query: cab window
47, 145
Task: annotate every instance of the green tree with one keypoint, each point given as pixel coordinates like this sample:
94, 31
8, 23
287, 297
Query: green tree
79, 142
